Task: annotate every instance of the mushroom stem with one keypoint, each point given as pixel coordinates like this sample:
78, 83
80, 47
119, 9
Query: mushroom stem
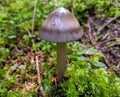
61, 60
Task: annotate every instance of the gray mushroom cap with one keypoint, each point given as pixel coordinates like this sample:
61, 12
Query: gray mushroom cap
60, 26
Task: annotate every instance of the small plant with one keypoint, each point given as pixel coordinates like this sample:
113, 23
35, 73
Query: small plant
16, 24
86, 76
88, 82
86, 79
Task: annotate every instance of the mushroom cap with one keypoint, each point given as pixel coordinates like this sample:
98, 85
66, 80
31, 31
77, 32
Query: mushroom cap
60, 26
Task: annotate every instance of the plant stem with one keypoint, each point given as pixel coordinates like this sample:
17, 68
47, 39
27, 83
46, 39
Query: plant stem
40, 88
61, 60
33, 20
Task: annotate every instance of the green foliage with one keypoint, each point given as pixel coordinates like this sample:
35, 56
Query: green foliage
6, 82
16, 19
10, 84
86, 8
86, 81
4, 52
85, 76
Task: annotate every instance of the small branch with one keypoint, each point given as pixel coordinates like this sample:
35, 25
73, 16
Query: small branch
90, 34
30, 35
117, 4
101, 43
40, 88
94, 43
33, 23
102, 27
33, 20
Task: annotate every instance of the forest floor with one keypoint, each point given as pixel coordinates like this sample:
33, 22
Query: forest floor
104, 35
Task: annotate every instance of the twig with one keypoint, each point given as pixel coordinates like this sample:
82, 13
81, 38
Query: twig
40, 88
30, 35
33, 23
33, 20
117, 4
92, 39
101, 43
102, 27
94, 43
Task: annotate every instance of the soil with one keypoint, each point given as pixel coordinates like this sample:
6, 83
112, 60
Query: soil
104, 35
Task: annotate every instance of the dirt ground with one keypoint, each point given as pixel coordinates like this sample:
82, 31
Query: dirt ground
104, 35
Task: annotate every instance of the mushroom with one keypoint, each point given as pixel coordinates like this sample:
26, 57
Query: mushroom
60, 26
